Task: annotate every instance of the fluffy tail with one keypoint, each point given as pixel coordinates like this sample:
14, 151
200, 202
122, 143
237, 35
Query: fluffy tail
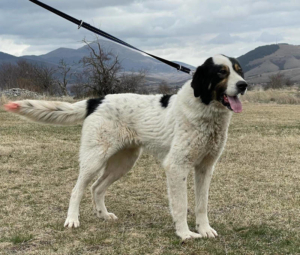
51, 112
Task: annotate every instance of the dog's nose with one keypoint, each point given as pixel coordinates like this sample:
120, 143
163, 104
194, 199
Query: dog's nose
242, 86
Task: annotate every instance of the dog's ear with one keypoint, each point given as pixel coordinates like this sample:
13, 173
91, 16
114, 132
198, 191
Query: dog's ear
201, 83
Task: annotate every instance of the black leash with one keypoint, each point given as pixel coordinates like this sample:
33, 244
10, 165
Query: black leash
80, 24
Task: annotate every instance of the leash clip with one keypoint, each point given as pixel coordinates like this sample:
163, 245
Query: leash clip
80, 24
186, 70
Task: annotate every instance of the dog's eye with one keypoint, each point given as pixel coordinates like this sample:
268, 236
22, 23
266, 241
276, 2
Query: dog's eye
222, 72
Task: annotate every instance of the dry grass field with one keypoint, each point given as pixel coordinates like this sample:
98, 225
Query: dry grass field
279, 96
254, 197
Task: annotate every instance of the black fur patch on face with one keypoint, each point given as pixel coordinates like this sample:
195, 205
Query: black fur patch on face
92, 105
210, 81
164, 101
236, 66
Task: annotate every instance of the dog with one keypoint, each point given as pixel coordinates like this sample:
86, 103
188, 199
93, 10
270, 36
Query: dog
185, 132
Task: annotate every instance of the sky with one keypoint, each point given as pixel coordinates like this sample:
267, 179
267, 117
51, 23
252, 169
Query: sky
184, 30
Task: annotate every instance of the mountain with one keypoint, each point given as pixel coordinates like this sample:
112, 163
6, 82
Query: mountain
267, 60
257, 64
130, 61
6, 58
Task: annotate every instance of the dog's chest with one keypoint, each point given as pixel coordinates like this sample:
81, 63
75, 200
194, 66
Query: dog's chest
216, 140
208, 138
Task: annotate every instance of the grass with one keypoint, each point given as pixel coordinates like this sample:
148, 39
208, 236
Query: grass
20, 238
279, 96
254, 196
3, 99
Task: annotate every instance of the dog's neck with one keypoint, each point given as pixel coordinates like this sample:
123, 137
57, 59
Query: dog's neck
193, 106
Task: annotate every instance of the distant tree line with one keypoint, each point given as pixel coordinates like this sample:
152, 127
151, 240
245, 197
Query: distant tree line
26, 75
165, 88
100, 74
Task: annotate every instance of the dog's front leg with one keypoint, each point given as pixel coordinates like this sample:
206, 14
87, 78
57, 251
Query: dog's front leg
177, 190
203, 175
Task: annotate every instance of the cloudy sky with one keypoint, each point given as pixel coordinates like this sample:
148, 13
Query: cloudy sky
183, 30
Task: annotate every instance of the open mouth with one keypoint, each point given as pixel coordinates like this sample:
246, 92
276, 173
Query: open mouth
232, 103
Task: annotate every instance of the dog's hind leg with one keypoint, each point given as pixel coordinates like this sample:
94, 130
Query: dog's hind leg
118, 165
90, 165
94, 156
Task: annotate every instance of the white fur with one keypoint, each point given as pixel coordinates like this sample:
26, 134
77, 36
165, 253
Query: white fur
186, 136
52, 112
234, 76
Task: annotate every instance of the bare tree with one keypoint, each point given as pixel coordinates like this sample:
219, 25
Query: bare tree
63, 70
163, 88
102, 68
278, 80
81, 89
27, 76
131, 82
288, 82
8, 76
102, 75
44, 79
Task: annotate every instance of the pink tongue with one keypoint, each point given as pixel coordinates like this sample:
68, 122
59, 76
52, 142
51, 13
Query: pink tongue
235, 103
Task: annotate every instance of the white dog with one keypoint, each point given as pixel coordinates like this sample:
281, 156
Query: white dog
185, 132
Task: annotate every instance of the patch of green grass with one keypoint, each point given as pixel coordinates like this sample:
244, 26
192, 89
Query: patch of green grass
96, 239
269, 239
19, 238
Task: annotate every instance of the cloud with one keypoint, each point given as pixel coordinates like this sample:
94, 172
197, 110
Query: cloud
225, 38
174, 29
269, 38
9, 45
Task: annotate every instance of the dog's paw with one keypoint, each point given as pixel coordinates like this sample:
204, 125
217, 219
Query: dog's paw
110, 216
188, 235
107, 216
207, 231
72, 222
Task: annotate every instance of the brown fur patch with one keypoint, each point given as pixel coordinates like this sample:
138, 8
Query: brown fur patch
237, 67
222, 85
225, 68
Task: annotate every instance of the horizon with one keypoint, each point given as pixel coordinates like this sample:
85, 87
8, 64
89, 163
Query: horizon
282, 43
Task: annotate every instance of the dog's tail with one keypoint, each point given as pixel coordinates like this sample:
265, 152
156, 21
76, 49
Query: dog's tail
50, 112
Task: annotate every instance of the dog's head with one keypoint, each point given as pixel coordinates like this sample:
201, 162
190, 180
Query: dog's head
220, 79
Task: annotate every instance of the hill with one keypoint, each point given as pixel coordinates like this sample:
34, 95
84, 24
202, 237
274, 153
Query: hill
264, 61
